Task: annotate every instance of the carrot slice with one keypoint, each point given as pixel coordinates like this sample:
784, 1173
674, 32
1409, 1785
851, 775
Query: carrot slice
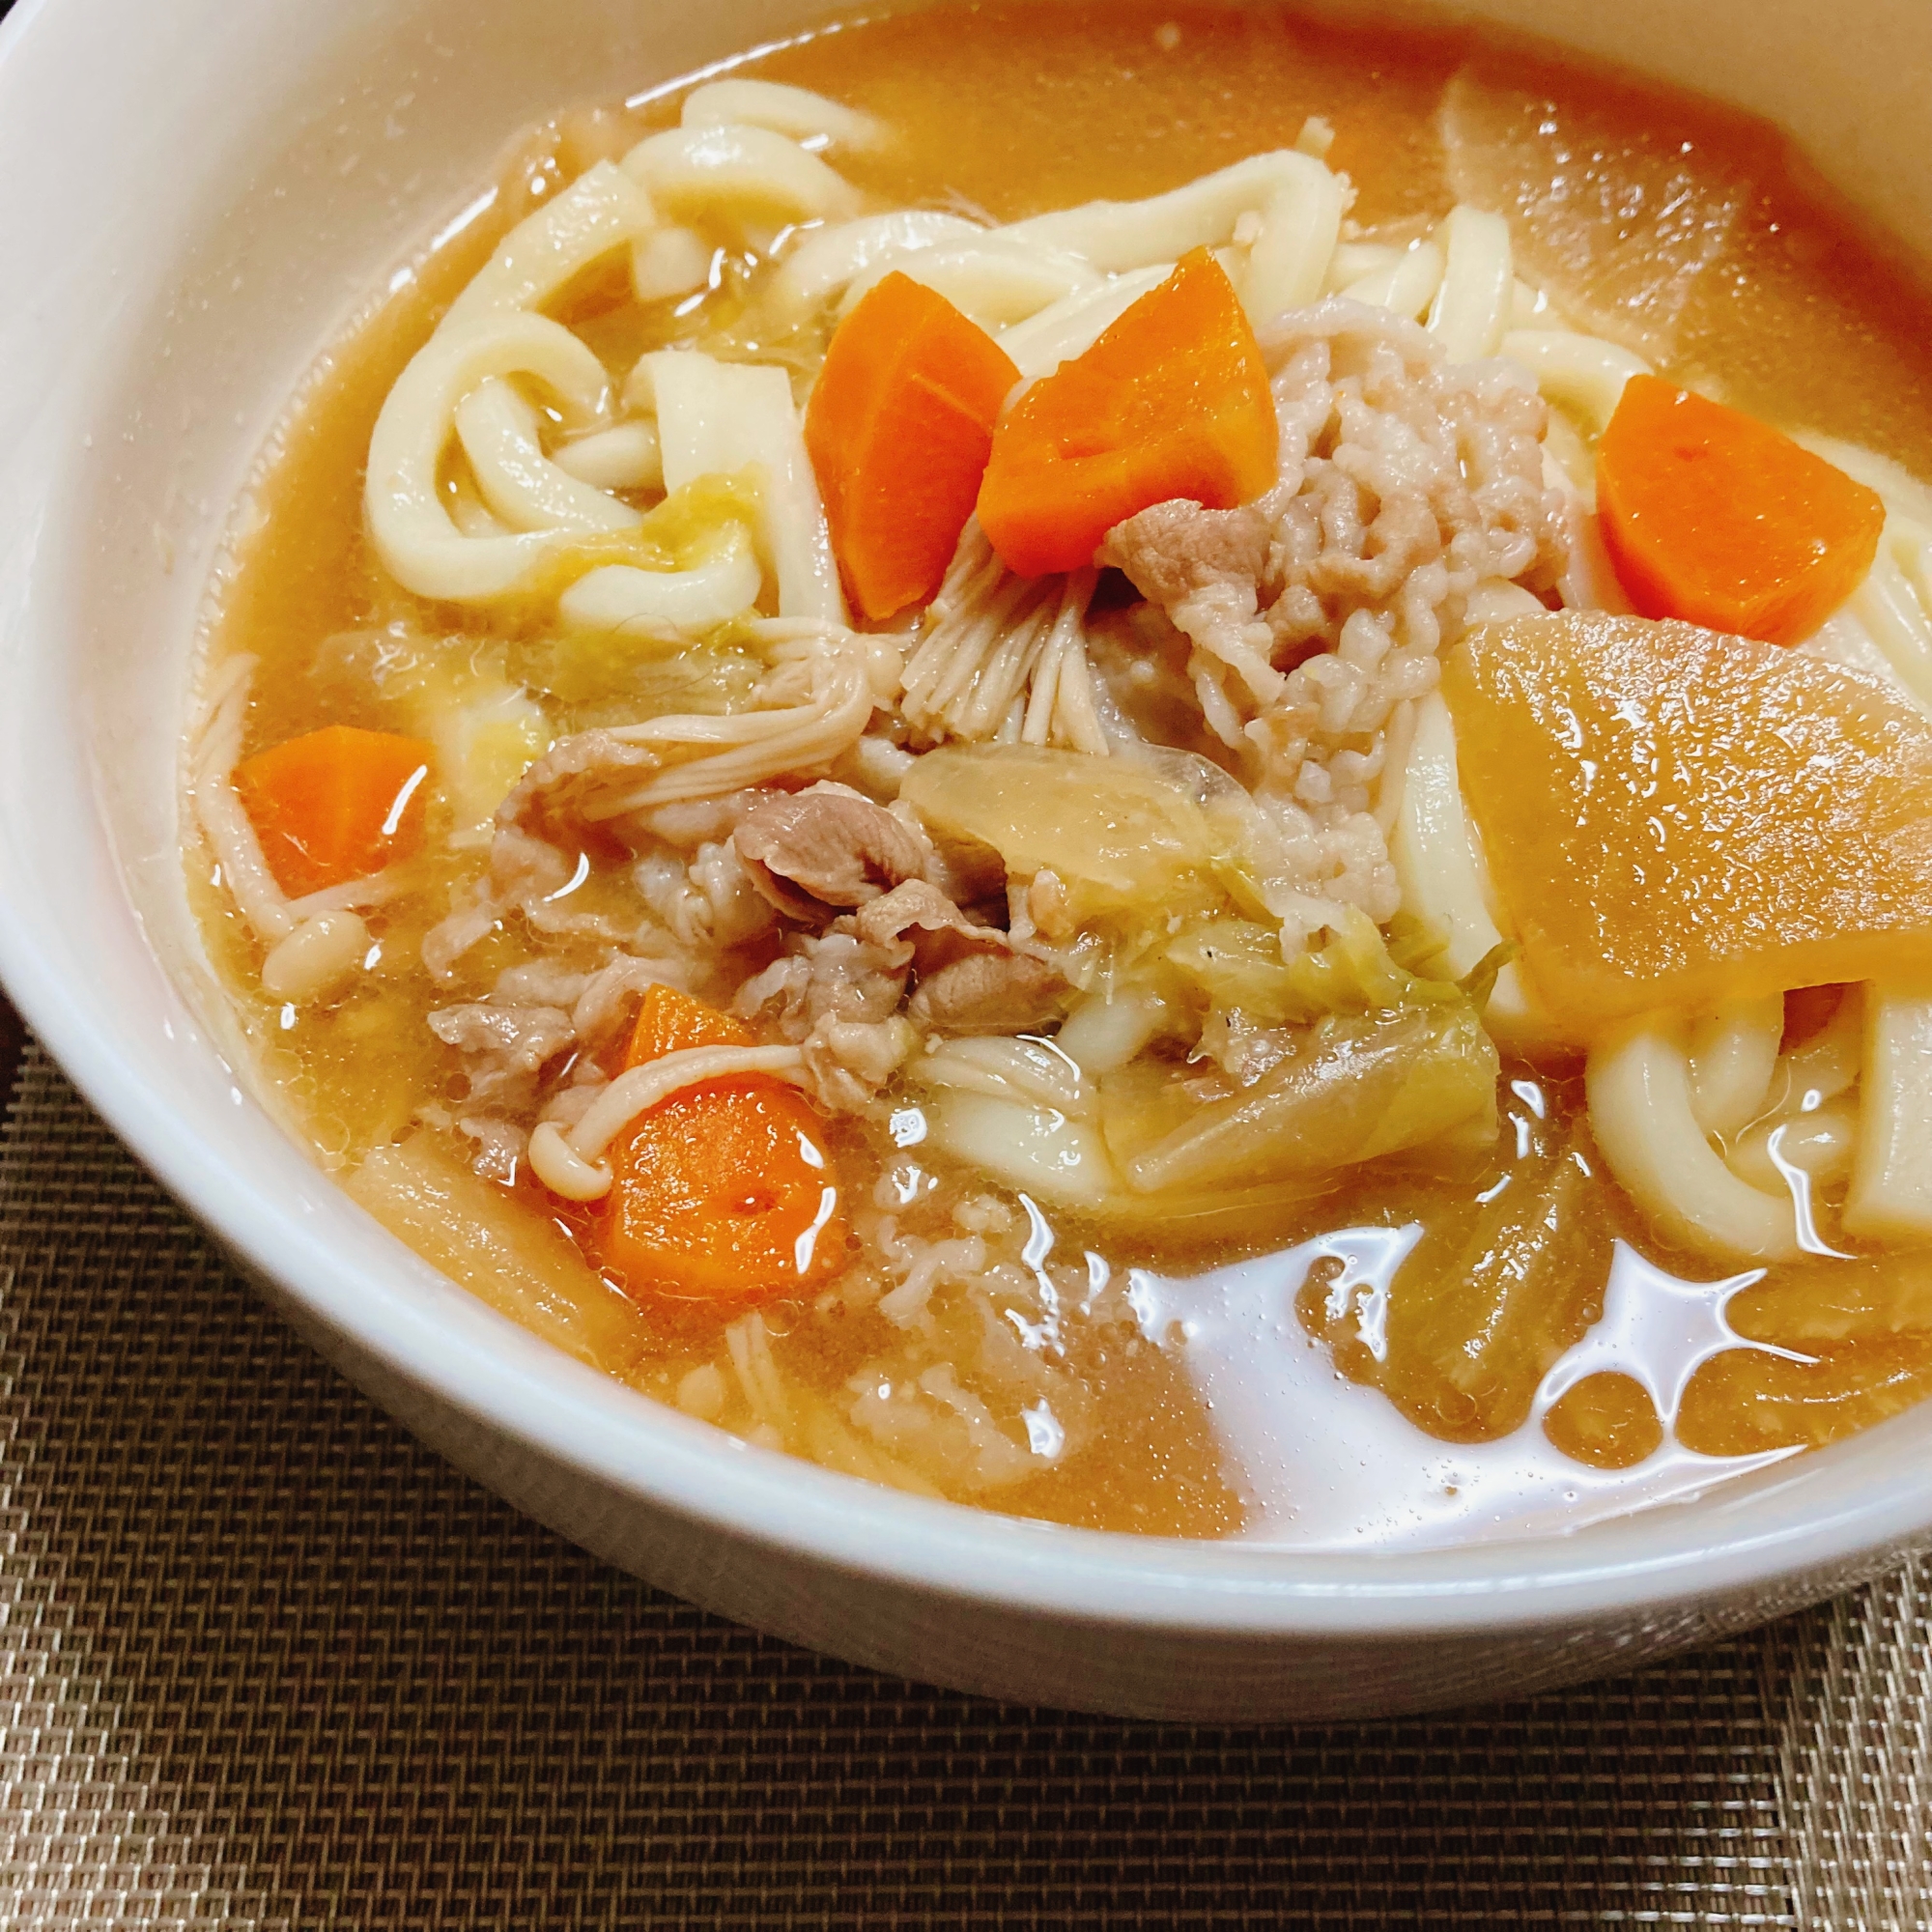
1172, 401
336, 804
725, 1192
898, 428
1716, 517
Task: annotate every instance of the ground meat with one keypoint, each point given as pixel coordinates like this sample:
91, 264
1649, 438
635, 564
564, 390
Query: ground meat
1405, 482
827, 849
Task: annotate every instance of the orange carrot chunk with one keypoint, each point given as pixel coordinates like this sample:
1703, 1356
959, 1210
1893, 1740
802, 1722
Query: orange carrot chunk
336, 804
725, 1192
898, 428
1716, 517
1172, 401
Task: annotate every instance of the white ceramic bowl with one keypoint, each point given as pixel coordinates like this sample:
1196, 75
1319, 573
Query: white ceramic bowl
197, 195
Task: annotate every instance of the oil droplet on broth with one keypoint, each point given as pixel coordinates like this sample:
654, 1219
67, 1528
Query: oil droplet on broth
1332, 1465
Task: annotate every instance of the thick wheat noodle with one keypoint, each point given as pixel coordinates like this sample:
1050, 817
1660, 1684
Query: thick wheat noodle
1641, 1115
498, 430
570, 1164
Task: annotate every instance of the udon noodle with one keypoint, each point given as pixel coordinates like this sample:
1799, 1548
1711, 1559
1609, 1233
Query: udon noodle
1094, 924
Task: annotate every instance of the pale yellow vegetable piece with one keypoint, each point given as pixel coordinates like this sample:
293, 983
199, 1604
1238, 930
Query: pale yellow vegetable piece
1674, 820
493, 1246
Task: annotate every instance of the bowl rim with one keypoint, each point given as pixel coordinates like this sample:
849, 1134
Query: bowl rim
603, 1430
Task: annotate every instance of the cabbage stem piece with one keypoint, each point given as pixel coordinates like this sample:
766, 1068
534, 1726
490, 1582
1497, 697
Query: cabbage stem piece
1890, 1196
493, 1246
1642, 1114
1040, 1150
1102, 1034
1359, 1088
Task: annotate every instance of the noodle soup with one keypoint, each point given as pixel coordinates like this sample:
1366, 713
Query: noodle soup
1205, 836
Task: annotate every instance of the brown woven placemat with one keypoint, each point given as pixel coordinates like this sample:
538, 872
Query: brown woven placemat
267, 1661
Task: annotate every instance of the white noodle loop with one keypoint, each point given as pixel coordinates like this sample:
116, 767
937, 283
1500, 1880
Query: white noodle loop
1472, 306
619, 597
670, 262
1444, 881
1072, 324
793, 111
1890, 1196
991, 278
523, 486
1294, 189
419, 544
626, 456
1578, 373
1406, 284
751, 173
600, 212
1644, 1119
821, 265
1733, 1059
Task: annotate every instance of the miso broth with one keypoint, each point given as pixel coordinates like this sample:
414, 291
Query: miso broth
1120, 946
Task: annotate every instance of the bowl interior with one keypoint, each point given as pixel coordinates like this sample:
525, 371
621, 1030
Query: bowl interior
194, 246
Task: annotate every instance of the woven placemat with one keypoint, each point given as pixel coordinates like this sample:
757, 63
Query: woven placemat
268, 1662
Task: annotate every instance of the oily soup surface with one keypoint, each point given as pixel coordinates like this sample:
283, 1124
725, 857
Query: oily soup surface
1048, 1374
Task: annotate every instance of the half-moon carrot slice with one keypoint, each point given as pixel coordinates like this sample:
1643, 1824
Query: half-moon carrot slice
336, 804
898, 428
1721, 520
725, 1192
1172, 401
